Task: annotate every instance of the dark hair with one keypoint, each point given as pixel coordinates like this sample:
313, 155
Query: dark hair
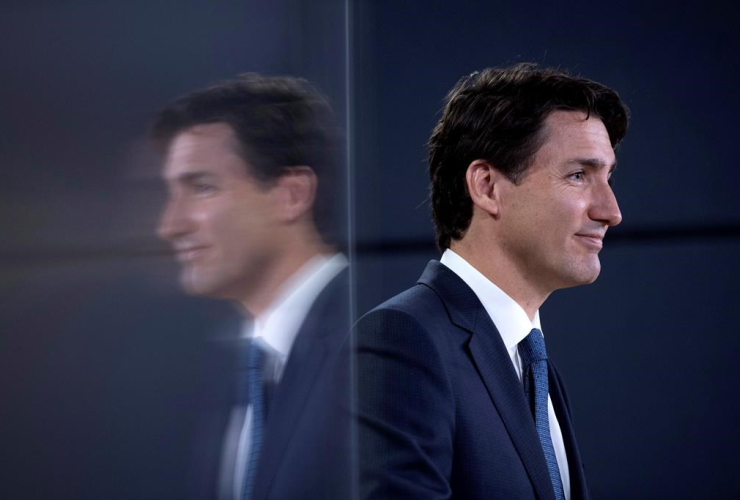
497, 115
279, 122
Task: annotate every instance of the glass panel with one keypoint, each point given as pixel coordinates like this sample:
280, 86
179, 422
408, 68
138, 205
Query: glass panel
114, 383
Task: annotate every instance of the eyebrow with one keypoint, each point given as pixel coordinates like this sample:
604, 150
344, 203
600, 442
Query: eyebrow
191, 177
594, 163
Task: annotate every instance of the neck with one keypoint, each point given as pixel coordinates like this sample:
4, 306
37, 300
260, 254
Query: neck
500, 270
282, 267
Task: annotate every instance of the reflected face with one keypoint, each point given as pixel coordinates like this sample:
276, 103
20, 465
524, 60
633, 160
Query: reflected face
218, 217
557, 216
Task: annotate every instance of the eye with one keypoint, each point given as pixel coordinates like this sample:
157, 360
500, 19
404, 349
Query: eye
203, 188
577, 176
200, 184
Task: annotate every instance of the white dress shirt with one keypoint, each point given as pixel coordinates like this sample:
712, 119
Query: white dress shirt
514, 325
276, 329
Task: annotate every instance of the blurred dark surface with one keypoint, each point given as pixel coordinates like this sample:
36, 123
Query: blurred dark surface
102, 359
100, 355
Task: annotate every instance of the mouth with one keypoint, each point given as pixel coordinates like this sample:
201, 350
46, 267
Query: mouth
593, 240
189, 254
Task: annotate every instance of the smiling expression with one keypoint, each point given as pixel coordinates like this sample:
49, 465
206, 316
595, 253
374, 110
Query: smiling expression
218, 218
554, 220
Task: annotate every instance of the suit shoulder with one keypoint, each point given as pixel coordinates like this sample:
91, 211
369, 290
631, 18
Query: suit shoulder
419, 301
416, 319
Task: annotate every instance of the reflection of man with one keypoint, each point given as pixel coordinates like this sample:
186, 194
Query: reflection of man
246, 163
456, 397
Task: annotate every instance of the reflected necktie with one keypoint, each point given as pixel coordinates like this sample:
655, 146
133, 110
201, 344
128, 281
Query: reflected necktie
255, 374
534, 358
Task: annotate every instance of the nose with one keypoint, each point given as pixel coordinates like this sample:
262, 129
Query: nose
174, 221
605, 207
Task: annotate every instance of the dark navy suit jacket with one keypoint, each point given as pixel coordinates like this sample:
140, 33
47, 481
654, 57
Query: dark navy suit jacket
441, 411
306, 450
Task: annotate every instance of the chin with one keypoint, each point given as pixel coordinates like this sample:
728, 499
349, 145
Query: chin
580, 275
191, 287
196, 285
588, 276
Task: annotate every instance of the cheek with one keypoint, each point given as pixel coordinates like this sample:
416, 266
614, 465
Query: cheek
221, 226
243, 231
550, 225
567, 213
235, 234
238, 221
543, 218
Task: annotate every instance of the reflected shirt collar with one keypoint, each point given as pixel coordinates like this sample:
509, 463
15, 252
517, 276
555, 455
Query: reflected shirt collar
278, 326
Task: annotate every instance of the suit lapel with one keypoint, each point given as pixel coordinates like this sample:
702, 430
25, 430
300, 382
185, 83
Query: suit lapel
316, 339
579, 490
292, 394
494, 366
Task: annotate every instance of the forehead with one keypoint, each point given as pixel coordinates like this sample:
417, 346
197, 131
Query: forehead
210, 147
570, 135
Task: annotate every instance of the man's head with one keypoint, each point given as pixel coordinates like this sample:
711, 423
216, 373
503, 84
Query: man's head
502, 155
242, 161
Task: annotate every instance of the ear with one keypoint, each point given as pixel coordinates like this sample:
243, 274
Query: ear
295, 192
483, 183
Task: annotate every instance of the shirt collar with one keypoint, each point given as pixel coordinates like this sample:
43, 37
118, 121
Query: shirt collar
510, 319
278, 326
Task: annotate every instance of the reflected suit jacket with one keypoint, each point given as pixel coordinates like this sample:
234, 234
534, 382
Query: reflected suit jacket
306, 439
441, 411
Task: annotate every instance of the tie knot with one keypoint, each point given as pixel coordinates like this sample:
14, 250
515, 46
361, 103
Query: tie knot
259, 360
256, 357
532, 348
251, 355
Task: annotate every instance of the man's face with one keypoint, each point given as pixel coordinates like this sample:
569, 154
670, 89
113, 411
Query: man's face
556, 218
218, 217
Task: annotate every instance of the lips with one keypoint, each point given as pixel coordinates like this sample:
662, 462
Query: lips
189, 254
594, 240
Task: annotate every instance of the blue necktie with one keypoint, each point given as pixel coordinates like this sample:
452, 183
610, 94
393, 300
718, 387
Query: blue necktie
254, 373
534, 359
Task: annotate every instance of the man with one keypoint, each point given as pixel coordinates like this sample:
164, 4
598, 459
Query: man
247, 163
456, 398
